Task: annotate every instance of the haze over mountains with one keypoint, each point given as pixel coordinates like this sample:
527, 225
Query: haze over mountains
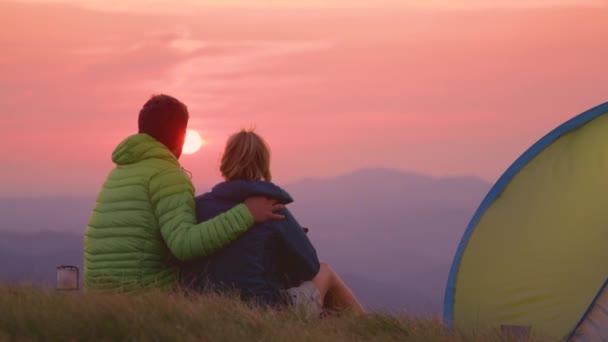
392, 235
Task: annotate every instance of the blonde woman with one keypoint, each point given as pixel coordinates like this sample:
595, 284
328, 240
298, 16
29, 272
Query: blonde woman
274, 263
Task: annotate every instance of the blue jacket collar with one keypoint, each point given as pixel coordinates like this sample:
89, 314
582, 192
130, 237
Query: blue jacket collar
238, 190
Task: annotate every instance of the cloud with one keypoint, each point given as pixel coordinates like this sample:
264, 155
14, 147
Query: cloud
204, 78
187, 46
192, 7
459, 92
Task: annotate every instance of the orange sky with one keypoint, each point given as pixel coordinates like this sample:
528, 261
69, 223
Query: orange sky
440, 87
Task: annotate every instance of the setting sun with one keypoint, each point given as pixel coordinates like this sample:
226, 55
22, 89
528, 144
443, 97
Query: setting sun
193, 142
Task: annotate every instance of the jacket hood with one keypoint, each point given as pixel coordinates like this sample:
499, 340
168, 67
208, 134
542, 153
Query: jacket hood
238, 190
139, 147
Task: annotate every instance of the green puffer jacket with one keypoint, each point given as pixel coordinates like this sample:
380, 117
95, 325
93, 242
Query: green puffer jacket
144, 220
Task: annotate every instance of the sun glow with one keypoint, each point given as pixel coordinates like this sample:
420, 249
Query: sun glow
193, 142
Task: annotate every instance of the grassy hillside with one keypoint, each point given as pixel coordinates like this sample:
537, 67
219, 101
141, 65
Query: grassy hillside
36, 314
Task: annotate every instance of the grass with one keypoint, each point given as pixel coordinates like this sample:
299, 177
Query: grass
33, 314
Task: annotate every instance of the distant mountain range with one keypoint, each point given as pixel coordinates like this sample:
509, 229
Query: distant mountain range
391, 235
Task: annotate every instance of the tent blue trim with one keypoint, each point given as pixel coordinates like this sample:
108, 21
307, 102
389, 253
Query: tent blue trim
498, 188
584, 317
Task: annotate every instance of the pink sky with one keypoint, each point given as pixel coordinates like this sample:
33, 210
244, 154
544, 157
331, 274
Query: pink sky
439, 87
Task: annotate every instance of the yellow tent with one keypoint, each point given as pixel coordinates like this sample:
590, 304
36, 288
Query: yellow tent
535, 254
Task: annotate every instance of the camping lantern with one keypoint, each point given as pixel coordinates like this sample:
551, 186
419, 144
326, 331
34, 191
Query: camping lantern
67, 277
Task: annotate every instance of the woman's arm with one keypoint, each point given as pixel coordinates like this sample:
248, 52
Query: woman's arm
300, 262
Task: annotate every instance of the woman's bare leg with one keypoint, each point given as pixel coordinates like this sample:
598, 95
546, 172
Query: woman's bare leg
335, 294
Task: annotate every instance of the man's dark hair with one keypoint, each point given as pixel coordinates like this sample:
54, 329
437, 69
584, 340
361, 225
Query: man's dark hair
165, 119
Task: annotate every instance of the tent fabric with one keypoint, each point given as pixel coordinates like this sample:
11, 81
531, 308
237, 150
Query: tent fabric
535, 252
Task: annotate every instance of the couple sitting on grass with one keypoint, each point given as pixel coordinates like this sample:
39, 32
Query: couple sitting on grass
147, 229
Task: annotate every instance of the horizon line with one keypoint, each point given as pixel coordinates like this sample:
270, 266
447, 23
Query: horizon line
402, 172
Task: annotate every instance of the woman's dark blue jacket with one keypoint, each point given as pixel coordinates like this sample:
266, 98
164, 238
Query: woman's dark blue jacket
269, 257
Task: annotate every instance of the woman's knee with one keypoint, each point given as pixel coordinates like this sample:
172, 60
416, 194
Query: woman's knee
325, 271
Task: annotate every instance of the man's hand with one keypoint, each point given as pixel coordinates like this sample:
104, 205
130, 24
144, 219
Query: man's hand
262, 209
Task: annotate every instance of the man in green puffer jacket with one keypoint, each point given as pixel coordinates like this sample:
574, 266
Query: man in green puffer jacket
144, 220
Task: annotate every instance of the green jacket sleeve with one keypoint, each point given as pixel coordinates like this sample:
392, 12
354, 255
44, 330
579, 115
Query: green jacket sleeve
172, 196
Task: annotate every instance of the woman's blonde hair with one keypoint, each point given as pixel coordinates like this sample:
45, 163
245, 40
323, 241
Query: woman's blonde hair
246, 157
